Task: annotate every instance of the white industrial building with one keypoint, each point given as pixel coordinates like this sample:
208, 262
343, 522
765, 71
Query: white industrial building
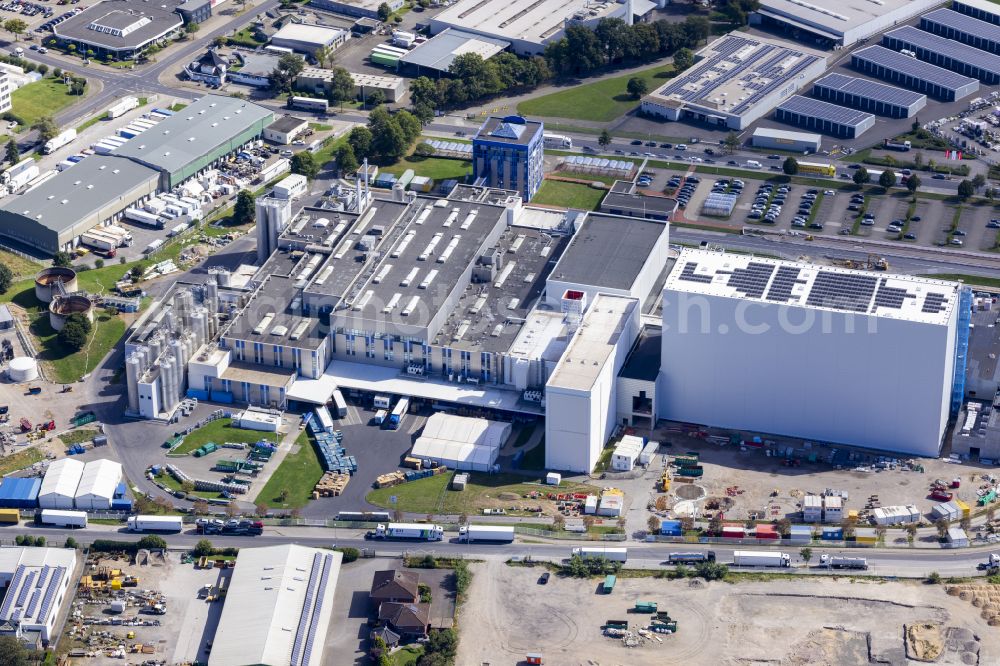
278, 607
896, 515
626, 453
37, 583
840, 23
812, 509
580, 409
833, 509
62, 478
97, 485
957, 538
461, 443
817, 352
306, 38
779, 139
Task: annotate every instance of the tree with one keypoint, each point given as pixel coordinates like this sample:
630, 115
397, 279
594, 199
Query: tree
70, 543
75, 331
40, 542
558, 522
384, 12
374, 98
409, 125
304, 163
13, 652
861, 176
604, 140
887, 178
191, 28
232, 509
187, 486
934, 578
62, 258
219, 42
918, 159
978, 181
346, 161
784, 526
790, 166
637, 87
381, 652
6, 278
683, 59
388, 141
135, 272
11, 153
46, 128
942, 525
78, 87
711, 570
152, 542
324, 56
202, 548
966, 189
340, 88
283, 495
732, 143
715, 524
806, 554
260, 510
244, 211
360, 140
200, 507
424, 149
911, 532
848, 526
653, 524
15, 26
287, 71
913, 183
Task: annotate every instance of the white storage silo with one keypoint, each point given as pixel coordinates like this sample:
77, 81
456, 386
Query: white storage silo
22, 369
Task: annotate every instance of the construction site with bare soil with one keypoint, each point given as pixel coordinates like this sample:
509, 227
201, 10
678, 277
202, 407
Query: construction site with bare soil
780, 621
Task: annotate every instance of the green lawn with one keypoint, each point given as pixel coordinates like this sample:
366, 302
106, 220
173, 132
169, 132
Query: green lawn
170, 482
20, 460
568, 195
432, 495
19, 265
438, 168
245, 37
600, 101
407, 655
220, 431
41, 98
90, 123
179, 106
68, 365
297, 474
968, 279
78, 436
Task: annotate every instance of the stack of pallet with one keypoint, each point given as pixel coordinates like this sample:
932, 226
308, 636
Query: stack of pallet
331, 484
390, 479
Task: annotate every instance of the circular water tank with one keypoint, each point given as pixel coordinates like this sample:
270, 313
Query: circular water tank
47, 283
22, 369
62, 307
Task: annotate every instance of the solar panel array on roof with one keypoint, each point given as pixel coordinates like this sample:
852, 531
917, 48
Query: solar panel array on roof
783, 284
842, 291
688, 274
934, 302
873, 90
817, 108
897, 62
752, 280
891, 297
935, 49
948, 23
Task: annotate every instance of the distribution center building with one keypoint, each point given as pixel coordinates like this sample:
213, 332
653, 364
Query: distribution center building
778, 139
837, 355
947, 53
841, 23
872, 96
737, 79
893, 66
824, 117
963, 28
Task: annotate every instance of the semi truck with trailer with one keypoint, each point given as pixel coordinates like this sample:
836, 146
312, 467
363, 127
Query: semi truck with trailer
691, 558
612, 554
495, 533
155, 524
60, 518
20, 174
761, 558
902, 146
411, 531
59, 140
843, 562
398, 412
99, 240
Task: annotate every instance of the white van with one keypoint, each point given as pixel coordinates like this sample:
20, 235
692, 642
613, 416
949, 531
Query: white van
753, 164
19, 52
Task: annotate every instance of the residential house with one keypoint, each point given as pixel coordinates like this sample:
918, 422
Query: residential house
394, 585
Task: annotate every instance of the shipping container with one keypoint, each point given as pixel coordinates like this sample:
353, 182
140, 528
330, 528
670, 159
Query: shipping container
609, 583
10, 516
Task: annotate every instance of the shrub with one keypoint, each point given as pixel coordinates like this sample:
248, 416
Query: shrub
350, 554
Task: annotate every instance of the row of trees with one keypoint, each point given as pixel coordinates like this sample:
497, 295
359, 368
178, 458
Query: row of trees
386, 138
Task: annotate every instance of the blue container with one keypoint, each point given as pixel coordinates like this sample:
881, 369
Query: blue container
832, 534
671, 528
122, 504
120, 490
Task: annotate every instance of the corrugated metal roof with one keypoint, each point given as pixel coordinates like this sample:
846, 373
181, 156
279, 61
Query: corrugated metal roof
62, 478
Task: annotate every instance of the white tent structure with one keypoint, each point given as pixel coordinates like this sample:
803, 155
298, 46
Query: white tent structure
60, 483
460, 442
97, 485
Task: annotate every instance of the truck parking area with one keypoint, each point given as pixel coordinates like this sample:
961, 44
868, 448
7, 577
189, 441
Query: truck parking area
509, 615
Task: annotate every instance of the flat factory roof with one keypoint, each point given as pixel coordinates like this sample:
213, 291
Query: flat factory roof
834, 18
593, 344
287, 124
534, 21
639, 204
441, 50
818, 108
302, 32
271, 317
190, 133
36, 574
868, 89
794, 283
609, 251
897, 62
76, 193
962, 23
121, 24
278, 608
957, 51
788, 135
736, 72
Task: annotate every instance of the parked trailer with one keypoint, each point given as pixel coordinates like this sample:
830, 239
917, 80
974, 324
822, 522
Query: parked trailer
612, 554
59, 140
98, 239
691, 558
122, 106
22, 166
843, 562
415, 531
59, 518
380, 417
382, 402
143, 217
18, 180
497, 533
761, 558
155, 524
339, 404
398, 412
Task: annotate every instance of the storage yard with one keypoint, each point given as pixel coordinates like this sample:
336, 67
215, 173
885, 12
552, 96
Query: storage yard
509, 615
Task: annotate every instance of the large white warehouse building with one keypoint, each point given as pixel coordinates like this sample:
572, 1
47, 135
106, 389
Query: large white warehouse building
60, 483
823, 353
97, 485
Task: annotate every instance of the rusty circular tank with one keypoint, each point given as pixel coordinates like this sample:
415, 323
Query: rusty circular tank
47, 282
62, 307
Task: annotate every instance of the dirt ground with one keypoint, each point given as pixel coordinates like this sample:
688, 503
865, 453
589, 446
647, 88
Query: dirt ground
828, 622
182, 632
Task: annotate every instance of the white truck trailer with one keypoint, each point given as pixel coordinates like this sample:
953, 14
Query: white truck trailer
612, 554
843, 562
142, 217
122, 106
100, 240
761, 558
155, 524
413, 531
20, 175
495, 533
59, 140
60, 518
